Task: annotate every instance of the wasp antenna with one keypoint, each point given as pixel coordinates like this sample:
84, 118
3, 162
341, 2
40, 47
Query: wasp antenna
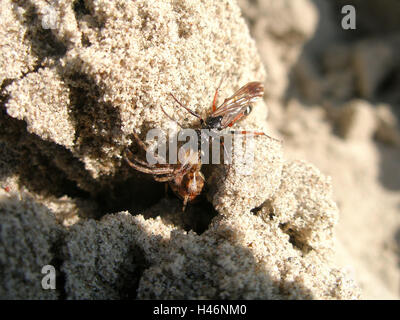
184, 107
170, 118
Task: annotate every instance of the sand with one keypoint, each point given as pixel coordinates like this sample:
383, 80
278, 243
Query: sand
341, 114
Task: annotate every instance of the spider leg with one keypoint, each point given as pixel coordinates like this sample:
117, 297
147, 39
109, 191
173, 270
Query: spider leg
147, 165
150, 170
166, 189
142, 163
165, 179
185, 201
144, 147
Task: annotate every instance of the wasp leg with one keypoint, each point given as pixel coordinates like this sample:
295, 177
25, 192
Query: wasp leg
257, 134
237, 118
227, 159
214, 105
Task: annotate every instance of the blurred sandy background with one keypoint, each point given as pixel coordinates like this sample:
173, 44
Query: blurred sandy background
341, 94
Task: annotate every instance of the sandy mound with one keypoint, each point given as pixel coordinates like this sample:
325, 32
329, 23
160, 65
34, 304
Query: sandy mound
341, 99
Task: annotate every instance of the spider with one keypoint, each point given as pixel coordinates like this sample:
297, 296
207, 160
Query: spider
185, 177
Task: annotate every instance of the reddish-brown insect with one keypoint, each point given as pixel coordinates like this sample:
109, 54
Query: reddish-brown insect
186, 179
232, 109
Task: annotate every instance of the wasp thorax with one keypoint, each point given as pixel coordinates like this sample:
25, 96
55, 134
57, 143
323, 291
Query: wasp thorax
213, 123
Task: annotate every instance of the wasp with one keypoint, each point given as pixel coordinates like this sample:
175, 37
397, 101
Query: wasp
231, 110
185, 178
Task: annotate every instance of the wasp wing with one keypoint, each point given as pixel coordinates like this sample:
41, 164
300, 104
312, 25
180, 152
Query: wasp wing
233, 108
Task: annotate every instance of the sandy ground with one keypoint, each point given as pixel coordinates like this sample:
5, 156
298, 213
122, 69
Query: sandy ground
341, 114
